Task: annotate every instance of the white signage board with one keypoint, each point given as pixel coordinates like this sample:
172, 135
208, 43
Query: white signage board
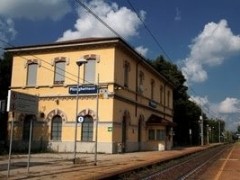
22, 103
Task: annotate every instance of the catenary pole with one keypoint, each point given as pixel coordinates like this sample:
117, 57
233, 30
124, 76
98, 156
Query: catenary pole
79, 63
96, 131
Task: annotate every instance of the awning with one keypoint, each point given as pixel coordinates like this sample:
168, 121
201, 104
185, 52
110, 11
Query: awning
159, 121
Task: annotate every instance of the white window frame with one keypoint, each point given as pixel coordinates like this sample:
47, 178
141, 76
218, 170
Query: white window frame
59, 72
32, 74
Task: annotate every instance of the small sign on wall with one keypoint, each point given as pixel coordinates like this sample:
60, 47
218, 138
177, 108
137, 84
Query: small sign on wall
109, 129
80, 119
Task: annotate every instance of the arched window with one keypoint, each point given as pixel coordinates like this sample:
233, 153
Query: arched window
126, 73
140, 128
87, 129
161, 94
168, 98
32, 74
152, 89
56, 128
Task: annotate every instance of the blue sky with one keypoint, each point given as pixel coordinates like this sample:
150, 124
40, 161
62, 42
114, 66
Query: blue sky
201, 37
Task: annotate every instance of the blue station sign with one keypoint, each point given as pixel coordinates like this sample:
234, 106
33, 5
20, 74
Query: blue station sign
85, 89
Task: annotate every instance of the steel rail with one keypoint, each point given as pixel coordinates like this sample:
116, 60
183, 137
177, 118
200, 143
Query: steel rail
190, 165
198, 168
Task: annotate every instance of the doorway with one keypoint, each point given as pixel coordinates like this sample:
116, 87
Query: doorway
124, 134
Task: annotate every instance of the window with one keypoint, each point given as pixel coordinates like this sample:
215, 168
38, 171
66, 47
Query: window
32, 74
87, 129
56, 130
160, 134
161, 95
59, 72
168, 98
151, 134
126, 73
140, 86
152, 88
90, 71
141, 78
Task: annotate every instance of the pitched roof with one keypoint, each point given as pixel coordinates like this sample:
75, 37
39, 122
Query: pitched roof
64, 43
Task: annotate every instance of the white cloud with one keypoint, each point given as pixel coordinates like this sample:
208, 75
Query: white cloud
34, 10
178, 16
229, 105
7, 32
27, 9
142, 50
227, 110
124, 21
210, 48
201, 101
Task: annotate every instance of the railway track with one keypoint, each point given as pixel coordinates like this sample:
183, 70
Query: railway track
187, 167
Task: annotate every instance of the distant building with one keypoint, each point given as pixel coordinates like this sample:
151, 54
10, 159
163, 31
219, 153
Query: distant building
135, 104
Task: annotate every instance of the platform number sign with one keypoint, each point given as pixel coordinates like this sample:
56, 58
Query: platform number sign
80, 119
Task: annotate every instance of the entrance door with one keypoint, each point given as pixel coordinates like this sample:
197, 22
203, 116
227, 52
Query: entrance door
124, 134
139, 134
26, 128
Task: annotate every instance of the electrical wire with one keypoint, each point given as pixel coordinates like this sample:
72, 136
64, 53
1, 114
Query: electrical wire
63, 70
88, 9
202, 104
161, 47
150, 32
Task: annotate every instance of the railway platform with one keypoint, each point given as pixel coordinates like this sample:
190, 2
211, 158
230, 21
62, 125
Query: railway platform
227, 166
60, 166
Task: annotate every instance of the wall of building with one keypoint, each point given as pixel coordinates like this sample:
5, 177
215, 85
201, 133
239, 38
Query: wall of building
122, 102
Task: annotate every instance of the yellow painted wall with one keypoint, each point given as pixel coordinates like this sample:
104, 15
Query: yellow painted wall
110, 111
45, 71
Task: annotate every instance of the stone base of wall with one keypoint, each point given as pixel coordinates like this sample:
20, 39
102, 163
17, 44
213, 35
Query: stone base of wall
87, 147
83, 147
63, 146
36, 146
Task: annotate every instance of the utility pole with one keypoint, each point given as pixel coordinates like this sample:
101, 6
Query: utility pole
96, 131
208, 134
219, 134
201, 127
79, 63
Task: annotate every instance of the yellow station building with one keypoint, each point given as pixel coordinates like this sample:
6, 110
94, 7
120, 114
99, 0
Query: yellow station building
116, 97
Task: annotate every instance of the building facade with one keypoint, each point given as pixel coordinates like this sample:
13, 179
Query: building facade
116, 97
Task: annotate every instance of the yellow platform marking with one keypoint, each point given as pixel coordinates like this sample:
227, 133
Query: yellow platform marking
223, 165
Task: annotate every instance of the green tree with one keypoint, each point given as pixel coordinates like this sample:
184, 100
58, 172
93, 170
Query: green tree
5, 78
238, 129
186, 112
214, 128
